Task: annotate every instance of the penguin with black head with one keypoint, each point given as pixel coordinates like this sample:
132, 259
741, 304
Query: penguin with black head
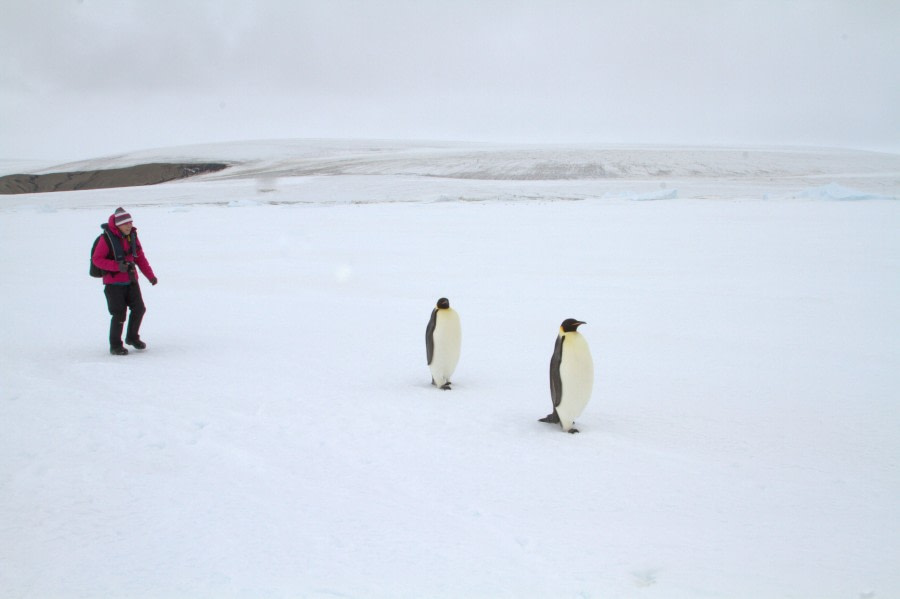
571, 376
443, 338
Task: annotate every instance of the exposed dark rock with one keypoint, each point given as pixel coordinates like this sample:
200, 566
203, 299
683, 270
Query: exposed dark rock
142, 174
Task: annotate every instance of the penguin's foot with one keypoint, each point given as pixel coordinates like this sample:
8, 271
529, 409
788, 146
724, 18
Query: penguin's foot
572, 431
446, 386
551, 417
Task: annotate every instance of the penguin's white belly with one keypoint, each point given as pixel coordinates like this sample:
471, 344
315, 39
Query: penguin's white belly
447, 338
576, 372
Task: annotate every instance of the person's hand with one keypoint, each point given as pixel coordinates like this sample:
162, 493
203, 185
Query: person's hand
123, 267
154, 281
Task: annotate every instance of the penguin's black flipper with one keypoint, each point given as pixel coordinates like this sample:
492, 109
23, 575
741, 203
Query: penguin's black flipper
552, 417
555, 378
429, 336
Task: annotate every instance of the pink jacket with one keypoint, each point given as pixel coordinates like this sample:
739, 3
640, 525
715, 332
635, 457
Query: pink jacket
112, 274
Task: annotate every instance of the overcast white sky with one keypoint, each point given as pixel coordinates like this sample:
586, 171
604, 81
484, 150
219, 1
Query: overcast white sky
87, 78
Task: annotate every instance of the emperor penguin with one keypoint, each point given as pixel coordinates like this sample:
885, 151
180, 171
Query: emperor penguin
571, 376
443, 337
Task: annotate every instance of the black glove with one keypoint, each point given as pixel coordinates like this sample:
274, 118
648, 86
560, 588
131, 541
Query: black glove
124, 267
154, 281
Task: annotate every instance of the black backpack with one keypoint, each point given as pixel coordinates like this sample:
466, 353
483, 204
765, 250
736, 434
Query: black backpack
115, 250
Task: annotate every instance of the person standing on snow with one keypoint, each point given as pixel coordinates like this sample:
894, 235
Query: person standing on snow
117, 252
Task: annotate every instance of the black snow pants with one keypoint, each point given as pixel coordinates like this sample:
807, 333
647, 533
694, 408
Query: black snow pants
118, 299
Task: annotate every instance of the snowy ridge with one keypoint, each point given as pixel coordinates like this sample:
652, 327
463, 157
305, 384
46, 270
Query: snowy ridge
589, 172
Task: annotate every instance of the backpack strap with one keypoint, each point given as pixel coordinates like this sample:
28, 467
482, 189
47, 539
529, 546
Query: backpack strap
135, 244
114, 243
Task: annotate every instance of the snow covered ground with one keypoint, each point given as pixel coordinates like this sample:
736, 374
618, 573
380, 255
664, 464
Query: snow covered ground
280, 438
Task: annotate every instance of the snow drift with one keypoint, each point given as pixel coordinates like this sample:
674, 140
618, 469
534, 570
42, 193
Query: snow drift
280, 437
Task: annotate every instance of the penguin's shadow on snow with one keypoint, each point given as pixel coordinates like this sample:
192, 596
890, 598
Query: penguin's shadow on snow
522, 420
436, 389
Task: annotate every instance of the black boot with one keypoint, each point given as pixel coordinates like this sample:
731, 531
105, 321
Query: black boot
136, 343
115, 337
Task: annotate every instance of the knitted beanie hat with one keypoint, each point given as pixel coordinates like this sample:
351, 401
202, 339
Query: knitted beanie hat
122, 217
